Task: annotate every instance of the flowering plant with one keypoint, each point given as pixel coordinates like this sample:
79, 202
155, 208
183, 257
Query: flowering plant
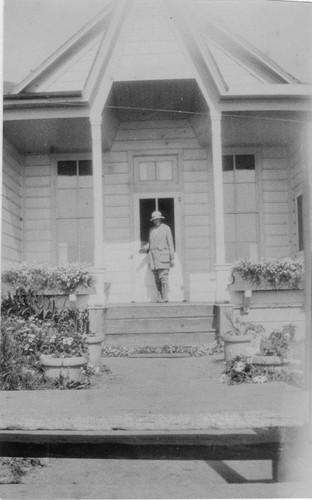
64, 345
66, 338
275, 272
68, 278
241, 370
35, 278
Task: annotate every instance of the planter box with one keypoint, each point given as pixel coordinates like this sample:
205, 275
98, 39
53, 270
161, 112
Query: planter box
240, 284
67, 367
80, 291
236, 345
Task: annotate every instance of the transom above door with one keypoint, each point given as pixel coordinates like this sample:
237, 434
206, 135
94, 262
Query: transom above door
155, 172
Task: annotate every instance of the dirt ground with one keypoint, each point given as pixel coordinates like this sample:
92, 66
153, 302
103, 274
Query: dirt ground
102, 479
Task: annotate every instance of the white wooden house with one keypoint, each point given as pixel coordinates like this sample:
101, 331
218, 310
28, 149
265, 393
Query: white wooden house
151, 106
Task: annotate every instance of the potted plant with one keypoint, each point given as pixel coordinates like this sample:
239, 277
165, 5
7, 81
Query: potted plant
64, 355
63, 348
237, 341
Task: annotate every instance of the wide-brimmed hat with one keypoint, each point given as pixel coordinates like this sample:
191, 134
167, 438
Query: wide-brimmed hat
157, 215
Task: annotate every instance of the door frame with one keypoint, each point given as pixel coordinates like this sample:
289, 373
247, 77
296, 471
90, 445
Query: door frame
179, 249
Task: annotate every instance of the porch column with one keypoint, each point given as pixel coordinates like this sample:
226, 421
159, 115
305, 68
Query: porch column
222, 269
96, 132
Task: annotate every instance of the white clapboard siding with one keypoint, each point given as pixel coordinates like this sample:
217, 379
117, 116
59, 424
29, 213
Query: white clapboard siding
117, 225
275, 201
148, 137
12, 213
38, 212
197, 222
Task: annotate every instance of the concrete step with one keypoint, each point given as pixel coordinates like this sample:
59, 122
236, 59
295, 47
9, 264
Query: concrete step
159, 324
154, 325
154, 310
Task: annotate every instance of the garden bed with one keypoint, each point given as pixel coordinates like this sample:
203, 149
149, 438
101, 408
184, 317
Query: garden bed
162, 351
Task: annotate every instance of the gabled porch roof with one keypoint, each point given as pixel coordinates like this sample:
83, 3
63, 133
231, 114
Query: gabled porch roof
155, 40
145, 60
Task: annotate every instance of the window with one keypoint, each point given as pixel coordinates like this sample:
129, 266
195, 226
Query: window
74, 212
240, 206
300, 241
155, 169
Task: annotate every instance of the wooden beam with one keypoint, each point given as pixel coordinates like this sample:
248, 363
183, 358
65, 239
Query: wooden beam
241, 444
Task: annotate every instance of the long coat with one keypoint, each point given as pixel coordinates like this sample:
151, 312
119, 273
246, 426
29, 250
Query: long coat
160, 247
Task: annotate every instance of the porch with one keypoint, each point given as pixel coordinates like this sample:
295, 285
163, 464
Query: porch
230, 186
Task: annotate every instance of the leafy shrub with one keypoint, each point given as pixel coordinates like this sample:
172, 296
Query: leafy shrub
19, 367
37, 278
26, 304
275, 272
23, 340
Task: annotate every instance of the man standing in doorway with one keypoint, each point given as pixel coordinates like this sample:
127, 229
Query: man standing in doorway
160, 251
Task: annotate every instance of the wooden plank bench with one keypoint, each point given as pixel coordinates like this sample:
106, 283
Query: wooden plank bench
246, 444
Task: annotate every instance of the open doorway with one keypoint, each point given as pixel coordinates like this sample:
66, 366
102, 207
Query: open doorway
145, 205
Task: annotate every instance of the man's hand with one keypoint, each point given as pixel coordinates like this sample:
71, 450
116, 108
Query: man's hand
172, 263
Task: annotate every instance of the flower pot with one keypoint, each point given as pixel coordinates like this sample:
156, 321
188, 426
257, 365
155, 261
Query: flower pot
67, 367
236, 345
95, 349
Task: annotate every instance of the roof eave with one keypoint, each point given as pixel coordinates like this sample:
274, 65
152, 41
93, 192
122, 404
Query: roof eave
278, 91
44, 101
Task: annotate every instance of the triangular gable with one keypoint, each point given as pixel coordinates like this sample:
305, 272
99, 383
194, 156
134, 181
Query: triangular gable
249, 56
72, 75
152, 40
53, 67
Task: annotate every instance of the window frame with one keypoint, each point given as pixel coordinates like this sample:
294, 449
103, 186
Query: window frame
54, 164
256, 153
153, 186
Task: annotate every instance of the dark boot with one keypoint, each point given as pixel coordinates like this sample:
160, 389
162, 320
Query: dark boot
159, 295
164, 291
159, 290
